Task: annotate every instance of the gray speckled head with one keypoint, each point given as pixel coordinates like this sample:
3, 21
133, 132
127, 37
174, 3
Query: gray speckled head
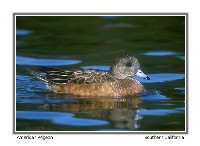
126, 66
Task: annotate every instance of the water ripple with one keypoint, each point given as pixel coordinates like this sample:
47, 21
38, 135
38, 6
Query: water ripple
154, 78
59, 118
23, 32
159, 53
20, 60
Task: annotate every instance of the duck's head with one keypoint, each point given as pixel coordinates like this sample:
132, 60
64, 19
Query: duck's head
127, 66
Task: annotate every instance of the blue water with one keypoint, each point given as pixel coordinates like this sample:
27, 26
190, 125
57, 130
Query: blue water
44, 62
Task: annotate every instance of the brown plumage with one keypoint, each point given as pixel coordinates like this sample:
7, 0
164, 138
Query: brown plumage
93, 82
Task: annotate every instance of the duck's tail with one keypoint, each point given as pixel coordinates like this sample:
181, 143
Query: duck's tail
38, 75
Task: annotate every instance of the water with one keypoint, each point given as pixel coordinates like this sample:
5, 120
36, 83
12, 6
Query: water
93, 42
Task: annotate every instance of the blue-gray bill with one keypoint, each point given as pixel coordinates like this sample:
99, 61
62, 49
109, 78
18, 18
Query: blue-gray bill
142, 75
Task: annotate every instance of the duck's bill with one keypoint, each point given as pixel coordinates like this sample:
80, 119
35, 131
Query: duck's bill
142, 75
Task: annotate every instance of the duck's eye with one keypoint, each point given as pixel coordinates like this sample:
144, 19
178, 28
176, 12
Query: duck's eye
128, 64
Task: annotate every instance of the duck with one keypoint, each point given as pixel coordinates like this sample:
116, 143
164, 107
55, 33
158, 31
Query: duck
117, 82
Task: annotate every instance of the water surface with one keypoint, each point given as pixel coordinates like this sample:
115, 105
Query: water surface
94, 42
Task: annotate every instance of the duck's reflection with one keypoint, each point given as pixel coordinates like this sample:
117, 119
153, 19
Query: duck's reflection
120, 112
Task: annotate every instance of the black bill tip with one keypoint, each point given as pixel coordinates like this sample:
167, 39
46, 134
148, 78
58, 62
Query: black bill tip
147, 78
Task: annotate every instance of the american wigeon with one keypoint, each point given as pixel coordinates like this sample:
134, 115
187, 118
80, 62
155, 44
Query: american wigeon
117, 81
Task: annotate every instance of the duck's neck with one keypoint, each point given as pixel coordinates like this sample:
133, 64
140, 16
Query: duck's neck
116, 73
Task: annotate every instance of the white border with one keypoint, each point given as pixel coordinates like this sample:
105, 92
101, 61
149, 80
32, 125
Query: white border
106, 14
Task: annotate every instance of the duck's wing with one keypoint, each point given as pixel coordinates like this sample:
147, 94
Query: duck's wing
49, 75
81, 76
91, 76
